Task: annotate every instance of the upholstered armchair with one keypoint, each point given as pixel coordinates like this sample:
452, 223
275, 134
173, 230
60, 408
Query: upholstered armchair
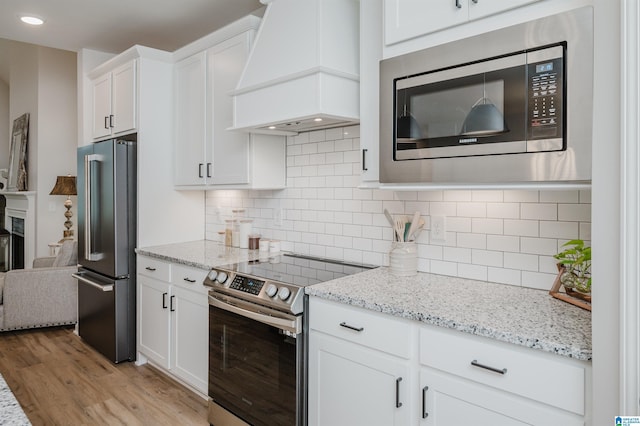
44, 296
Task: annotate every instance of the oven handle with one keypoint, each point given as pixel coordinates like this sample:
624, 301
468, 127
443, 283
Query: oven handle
292, 326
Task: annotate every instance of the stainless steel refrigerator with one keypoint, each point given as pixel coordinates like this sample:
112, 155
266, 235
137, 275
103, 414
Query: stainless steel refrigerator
106, 241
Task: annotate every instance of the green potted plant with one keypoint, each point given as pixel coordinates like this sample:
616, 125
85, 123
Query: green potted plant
575, 270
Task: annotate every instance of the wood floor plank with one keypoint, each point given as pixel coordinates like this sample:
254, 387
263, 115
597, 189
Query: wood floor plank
59, 380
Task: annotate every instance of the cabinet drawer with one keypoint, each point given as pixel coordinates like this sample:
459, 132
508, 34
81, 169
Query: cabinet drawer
560, 383
372, 329
189, 277
154, 268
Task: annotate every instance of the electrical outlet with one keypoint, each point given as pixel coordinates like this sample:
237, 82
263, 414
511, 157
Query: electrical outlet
438, 228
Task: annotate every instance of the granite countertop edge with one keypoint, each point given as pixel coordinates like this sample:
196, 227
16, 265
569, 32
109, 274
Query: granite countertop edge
517, 315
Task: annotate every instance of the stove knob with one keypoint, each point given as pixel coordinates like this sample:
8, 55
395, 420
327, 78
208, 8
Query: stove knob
222, 277
284, 293
271, 290
213, 274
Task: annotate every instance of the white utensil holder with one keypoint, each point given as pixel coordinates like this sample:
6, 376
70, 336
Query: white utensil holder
403, 259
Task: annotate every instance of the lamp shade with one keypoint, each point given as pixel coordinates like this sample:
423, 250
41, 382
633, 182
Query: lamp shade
407, 128
65, 185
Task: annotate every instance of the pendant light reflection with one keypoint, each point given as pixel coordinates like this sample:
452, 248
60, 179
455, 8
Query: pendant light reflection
484, 118
406, 125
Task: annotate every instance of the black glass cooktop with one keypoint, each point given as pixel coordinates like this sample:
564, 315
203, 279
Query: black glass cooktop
297, 269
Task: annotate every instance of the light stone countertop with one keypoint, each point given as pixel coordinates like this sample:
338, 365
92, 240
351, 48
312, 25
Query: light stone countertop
203, 254
522, 316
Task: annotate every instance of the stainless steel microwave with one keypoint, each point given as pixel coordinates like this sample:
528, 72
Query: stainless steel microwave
510, 106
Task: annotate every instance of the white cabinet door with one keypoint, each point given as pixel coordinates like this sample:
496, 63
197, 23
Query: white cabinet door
228, 151
124, 103
482, 8
405, 19
190, 129
448, 400
370, 55
101, 106
190, 336
153, 316
114, 101
353, 385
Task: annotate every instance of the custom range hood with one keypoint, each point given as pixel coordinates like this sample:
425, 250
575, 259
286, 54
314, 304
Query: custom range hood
303, 71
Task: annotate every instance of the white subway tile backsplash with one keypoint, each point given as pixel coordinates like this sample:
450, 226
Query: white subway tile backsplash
577, 212
544, 246
520, 261
487, 226
535, 211
503, 210
524, 228
503, 243
559, 229
507, 236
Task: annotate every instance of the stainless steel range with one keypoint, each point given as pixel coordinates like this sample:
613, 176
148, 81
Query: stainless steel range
257, 338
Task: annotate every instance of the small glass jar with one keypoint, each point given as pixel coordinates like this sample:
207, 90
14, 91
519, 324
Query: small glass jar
245, 228
228, 232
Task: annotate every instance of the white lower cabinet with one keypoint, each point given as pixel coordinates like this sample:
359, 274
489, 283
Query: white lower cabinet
173, 320
448, 400
369, 368
352, 385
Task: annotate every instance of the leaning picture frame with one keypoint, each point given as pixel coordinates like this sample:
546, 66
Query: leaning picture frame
17, 180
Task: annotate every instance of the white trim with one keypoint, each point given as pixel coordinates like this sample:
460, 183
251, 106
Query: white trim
630, 211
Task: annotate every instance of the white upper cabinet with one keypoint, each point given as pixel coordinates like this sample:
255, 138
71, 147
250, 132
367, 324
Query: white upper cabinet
406, 19
114, 101
206, 153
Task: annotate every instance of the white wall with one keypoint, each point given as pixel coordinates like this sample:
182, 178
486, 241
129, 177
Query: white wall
508, 237
5, 129
43, 84
56, 144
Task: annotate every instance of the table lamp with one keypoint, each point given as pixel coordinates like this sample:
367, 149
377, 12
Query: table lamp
66, 185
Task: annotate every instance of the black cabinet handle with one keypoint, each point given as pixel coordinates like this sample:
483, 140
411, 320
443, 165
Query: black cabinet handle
458, 5
106, 124
364, 167
398, 403
424, 402
200, 170
208, 170
350, 327
111, 121
149, 268
475, 363
189, 280
475, 1
172, 308
164, 300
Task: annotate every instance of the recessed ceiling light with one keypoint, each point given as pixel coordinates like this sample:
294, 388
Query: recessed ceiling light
317, 119
272, 127
31, 20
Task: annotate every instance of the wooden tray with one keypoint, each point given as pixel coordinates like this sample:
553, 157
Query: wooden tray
575, 298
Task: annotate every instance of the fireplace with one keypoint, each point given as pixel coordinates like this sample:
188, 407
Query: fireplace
17, 243
21, 224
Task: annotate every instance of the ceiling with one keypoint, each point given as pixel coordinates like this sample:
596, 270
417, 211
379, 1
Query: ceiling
115, 25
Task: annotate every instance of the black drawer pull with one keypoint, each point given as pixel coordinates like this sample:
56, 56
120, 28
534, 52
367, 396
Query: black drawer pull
475, 363
364, 167
189, 280
350, 327
149, 268
425, 414
171, 307
164, 300
398, 403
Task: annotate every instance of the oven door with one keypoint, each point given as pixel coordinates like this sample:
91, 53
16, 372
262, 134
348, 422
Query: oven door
256, 363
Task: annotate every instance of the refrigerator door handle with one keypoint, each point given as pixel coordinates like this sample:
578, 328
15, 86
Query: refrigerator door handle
79, 277
88, 252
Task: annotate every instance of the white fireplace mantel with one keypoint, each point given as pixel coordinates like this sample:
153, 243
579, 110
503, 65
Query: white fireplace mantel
22, 204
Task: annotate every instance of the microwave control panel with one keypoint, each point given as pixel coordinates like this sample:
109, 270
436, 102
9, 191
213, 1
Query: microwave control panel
546, 99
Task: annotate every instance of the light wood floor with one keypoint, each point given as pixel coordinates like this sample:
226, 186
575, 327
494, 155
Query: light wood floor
59, 380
